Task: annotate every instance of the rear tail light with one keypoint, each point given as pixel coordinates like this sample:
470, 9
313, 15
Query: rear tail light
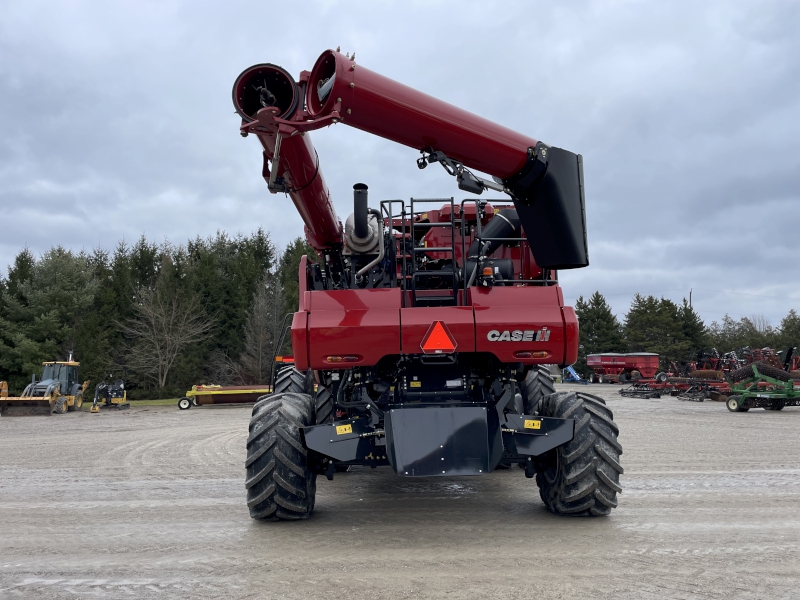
530, 354
344, 359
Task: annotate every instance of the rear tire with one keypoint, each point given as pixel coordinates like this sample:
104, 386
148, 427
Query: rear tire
184, 403
779, 405
290, 380
535, 388
323, 404
280, 485
624, 378
661, 378
581, 478
77, 403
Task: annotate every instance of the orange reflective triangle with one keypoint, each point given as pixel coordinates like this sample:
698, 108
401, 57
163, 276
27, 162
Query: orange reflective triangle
438, 340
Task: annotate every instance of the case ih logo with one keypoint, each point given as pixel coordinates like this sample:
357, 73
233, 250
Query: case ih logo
529, 335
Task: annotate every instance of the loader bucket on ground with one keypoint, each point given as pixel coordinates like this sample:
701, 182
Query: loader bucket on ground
25, 407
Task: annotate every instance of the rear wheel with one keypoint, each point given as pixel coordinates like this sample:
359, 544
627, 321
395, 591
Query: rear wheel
280, 485
636, 375
624, 378
323, 404
184, 403
779, 405
536, 386
77, 403
661, 377
601, 379
581, 478
292, 380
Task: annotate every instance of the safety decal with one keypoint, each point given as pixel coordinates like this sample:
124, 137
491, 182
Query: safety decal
532, 424
342, 429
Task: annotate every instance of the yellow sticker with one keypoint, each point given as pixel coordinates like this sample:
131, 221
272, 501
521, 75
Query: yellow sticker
532, 424
342, 429
416, 384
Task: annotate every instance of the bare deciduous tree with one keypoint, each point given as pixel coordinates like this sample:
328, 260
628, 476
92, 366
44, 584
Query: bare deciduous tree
262, 329
166, 322
223, 370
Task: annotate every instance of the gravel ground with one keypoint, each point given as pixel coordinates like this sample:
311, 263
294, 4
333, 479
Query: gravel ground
149, 503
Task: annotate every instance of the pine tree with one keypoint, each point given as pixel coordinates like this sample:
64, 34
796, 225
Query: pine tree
694, 331
790, 331
289, 268
599, 330
654, 325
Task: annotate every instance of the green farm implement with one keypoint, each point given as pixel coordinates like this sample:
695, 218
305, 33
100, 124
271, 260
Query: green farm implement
762, 386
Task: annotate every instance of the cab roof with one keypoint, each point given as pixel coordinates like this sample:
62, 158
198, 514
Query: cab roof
62, 362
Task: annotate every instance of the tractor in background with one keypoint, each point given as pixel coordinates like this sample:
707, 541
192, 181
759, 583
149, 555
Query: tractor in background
56, 391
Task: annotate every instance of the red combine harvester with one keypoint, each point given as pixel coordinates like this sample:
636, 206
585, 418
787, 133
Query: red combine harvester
614, 367
424, 323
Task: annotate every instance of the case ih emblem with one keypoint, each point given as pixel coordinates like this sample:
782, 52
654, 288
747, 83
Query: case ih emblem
529, 335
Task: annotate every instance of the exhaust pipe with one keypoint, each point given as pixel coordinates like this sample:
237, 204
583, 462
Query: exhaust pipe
262, 86
360, 211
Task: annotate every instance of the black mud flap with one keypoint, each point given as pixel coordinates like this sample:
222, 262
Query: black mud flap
435, 441
352, 440
532, 436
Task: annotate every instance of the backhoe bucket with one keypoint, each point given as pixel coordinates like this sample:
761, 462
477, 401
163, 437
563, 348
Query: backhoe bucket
26, 407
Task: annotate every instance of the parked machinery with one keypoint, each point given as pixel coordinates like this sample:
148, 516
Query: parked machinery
110, 394
613, 367
424, 323
56, 391
761, 385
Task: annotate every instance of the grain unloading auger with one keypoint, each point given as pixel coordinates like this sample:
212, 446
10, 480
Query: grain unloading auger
424, 323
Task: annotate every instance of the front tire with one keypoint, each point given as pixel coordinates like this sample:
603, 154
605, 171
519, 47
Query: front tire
61, 405
184, 403
280, 485
733, 404
581, 478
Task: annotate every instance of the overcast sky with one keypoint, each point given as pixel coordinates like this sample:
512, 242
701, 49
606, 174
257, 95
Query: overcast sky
116, 120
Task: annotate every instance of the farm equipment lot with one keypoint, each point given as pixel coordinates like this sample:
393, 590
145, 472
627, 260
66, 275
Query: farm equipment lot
148, 503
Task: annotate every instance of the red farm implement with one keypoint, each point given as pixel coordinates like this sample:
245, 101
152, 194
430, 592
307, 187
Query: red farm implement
424, 324
611, 367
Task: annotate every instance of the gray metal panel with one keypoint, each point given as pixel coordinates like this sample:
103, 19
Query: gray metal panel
438, 441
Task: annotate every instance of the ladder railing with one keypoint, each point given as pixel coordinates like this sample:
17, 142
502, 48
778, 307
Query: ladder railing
447, 296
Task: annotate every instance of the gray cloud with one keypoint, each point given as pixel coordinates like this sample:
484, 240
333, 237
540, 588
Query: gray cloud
115, 120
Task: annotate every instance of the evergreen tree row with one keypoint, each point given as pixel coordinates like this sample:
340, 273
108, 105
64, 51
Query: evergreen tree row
162, 317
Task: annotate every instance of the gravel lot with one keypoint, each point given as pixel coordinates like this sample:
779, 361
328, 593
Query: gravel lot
149, 503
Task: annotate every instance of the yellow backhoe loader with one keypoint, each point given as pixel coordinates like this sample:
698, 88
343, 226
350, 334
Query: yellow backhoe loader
56, 391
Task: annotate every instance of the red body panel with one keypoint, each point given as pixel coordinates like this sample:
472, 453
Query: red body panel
384, 107
300, 340
524, 309
362, 323
371, 324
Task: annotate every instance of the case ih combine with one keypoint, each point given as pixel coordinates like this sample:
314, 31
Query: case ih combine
424, 323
